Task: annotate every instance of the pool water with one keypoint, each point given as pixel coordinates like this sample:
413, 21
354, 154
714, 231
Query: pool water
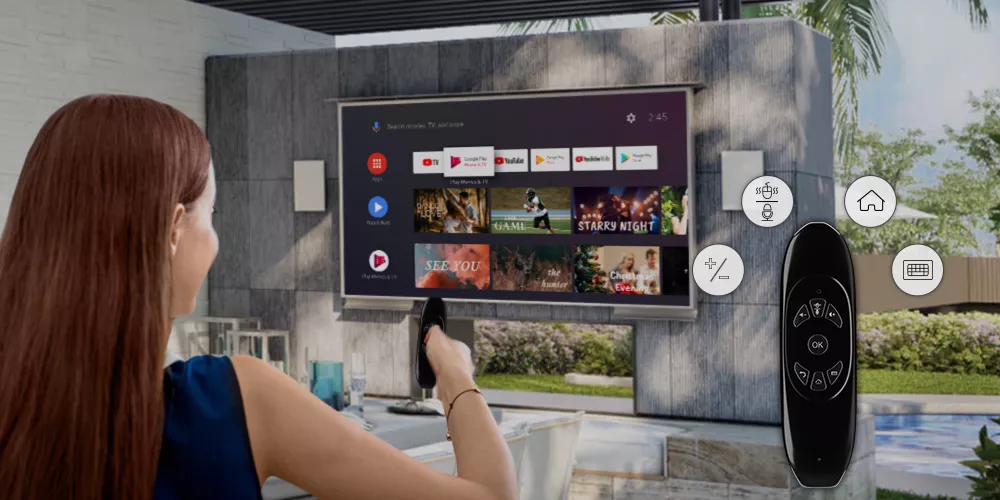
929, 444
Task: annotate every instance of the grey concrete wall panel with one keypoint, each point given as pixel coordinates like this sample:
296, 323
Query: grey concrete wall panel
272, 235
757, 363
635, 56
702, 380
520, 63
465, 66
815, 199
275, 308
712, 104
413, 69
231, 268
363, 71
229, 302
317, 245
269, 115
813, 97
576, 60
763, 115
763, 253
653, 383
226, 116
314, 114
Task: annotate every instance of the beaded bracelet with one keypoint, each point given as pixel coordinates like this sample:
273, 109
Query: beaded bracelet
447, 434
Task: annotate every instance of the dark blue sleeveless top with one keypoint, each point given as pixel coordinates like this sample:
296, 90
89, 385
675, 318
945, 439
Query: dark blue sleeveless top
206, 447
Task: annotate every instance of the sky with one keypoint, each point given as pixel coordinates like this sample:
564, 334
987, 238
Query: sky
933, 59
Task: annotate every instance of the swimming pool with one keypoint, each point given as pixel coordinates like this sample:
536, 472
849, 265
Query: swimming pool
928, 444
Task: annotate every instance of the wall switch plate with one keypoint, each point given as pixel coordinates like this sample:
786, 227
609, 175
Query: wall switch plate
738, 169
310, 186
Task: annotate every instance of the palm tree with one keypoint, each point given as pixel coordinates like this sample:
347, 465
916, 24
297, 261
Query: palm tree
858, 30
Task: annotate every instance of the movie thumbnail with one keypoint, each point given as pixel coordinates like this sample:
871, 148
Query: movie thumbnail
674, 210
532, 268
616, 210
452, 266
675, 277
531, 210
451, 211
617, 270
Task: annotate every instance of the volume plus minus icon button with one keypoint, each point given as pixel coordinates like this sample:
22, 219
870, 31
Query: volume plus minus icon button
834, 316
801, 316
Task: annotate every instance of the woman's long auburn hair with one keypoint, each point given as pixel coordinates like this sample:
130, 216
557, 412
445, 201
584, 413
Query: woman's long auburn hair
85, 296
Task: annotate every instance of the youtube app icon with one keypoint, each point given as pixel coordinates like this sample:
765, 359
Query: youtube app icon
379, 261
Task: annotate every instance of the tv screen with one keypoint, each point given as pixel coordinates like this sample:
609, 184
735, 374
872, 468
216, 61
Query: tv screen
576, 198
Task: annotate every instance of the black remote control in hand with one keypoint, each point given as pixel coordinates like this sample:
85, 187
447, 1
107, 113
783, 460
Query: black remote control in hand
432, 314
818, 352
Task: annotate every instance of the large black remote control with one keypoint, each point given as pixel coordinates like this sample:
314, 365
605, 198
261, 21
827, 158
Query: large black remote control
432, 314
818, 345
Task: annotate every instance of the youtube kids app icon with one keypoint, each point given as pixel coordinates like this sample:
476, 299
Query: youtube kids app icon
377, 164
450, 211
617, 270
452, 266
616, 210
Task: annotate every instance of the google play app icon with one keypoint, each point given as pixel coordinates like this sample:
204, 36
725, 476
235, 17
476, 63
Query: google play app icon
377, 207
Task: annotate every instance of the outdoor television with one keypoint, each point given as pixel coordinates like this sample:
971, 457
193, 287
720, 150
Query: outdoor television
577, 198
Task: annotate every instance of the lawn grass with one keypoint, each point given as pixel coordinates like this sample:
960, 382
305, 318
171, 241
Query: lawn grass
869, 382
900, 495
898, 382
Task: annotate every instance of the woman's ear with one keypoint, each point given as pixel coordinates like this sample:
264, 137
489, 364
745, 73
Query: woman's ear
175, 227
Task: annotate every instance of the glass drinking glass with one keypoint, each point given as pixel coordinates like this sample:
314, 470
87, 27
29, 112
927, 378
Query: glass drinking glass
358, 381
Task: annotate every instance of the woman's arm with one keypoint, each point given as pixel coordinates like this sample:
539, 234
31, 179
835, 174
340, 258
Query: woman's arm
298, 438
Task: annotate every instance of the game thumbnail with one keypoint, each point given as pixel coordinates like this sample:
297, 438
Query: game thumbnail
616, 210
451, 210
452, 266
674, 210
617, 270
531, 210
533, 268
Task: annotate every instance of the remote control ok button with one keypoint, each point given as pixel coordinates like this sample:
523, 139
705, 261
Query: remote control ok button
818, 344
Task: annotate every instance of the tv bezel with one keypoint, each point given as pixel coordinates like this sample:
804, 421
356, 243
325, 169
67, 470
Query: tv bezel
642, 311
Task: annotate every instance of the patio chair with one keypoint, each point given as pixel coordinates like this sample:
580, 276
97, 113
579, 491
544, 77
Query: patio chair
547, 467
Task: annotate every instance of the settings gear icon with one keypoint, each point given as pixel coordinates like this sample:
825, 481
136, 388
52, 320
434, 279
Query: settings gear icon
630, 118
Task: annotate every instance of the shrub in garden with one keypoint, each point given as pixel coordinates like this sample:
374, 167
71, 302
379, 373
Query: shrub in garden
986, 484
906, 340
552, 348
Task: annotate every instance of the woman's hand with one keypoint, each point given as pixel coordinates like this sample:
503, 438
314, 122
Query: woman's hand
452, 364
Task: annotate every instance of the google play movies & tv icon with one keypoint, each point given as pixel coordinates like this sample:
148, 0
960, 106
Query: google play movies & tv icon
553, 198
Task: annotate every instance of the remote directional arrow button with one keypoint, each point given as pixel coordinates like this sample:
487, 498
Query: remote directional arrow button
818, 384
801, 316
834, 373
802, 373
834, 316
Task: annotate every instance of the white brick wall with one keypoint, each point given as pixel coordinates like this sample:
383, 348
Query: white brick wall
52, 51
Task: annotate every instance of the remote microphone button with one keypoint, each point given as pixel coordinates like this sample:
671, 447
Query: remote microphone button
801, 316
818, 384
802, 373
834, 373
818, 344
817, 306
834, 316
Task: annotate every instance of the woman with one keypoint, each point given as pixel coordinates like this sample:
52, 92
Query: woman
624, 277
680, 224
108, 238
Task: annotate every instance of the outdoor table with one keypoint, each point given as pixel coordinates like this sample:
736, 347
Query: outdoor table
402, 432
227, 324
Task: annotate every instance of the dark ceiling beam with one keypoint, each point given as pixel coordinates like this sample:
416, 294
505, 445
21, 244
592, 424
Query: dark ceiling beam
348, 17
495, 13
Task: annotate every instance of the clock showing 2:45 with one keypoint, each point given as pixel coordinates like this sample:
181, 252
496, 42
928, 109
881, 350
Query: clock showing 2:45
658, 117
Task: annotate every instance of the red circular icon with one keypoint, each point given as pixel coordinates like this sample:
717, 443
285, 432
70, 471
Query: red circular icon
376, 163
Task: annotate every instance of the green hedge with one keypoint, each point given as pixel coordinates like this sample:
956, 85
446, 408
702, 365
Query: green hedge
953, 342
